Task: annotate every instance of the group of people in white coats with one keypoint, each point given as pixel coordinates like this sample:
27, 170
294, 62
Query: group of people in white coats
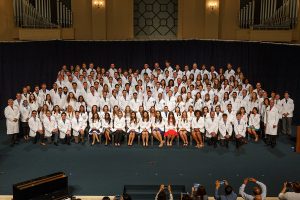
167, 103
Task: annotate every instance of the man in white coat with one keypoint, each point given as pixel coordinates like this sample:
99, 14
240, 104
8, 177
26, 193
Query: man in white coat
64, 126
12, 116
211, 126
135, 103
92, 98
270, 122
36, 129
287, 114
50, 126
225, 129
78, 126
240, 131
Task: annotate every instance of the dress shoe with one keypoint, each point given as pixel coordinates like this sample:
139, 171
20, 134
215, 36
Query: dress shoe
227, 147
233, 139
16, 142
215, 145
240, 149
290, 136
266, 145
83, 144
42, 143
245, 142
55, 143
68, 143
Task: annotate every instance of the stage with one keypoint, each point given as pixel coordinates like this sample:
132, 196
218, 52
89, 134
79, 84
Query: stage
104, 170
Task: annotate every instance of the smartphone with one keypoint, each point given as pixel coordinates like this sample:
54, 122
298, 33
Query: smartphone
183, 193
196, 185
221, 182
118, 197
166, 187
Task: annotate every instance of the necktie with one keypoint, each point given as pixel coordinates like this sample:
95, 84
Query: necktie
166, 114
77, 120
225, 123
34, 119
12, 108
75, 91
49, 119
135, 100
169, 98
239, 122
213, 119
286, 100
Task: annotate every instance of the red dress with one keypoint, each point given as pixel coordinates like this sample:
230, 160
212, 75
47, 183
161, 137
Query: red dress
171, 132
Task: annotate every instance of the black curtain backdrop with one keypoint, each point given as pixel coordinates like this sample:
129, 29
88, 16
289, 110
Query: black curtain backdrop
32, 63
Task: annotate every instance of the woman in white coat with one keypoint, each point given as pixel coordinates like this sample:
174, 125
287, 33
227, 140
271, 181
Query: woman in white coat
107, 126
198, 128
133, 126
12, 122
270, 122
198, 102
158, 128
25, 112
145, 128
33, 103
171, 126
184, 127
119, 128
95, 127
56, 113
254, 123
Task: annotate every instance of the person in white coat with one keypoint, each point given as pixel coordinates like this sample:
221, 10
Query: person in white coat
133, 127
25, 112
184, 126
240, 131
78, 126
92, 99
225, 129
158, 127
145, 128
270, 122
149, 101
119, 128
287, 114
135, 103
64, 126
95, 127
160, 103
50, 126
12, 116
198, 125
254, 123
171, 126
211, 126
36, 128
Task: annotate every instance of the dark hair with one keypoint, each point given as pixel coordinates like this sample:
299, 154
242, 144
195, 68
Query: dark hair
126, 197
296, 187
201, 191
186, 197
162, 196
105, 198
228, 189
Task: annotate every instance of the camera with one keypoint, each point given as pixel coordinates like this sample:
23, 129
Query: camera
289, 184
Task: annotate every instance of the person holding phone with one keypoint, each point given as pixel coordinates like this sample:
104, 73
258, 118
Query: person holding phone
161, 195
200, 193
229, 193
256, 190
285, 195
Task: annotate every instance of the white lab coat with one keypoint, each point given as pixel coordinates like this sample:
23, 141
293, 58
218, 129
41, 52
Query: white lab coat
135, 104
134, 126
34, 106
34, 126
11, 126
183, 123
287, 107
63, 128
78, 125
198, 104
236, 104
25, 113
119, 123
92, 100
230, 116
240, 128
57, 116
254, 121
97, 124
159, 124
145, 125
171, 126
148, 102
199, 124
271, 118
223, 127
49, 126
211, 126
159, 105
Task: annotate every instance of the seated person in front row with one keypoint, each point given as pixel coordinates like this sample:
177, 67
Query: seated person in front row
240, 131
198, 128
36, 128
225, 129
211, 126
64, 126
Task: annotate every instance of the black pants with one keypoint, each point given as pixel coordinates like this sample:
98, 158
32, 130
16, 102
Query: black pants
34, 139
12, 138
271, 140
233, 133
239, 142
212, 139
25, 128
279, 126
66, 140
118, 136
55, 137
224, 142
